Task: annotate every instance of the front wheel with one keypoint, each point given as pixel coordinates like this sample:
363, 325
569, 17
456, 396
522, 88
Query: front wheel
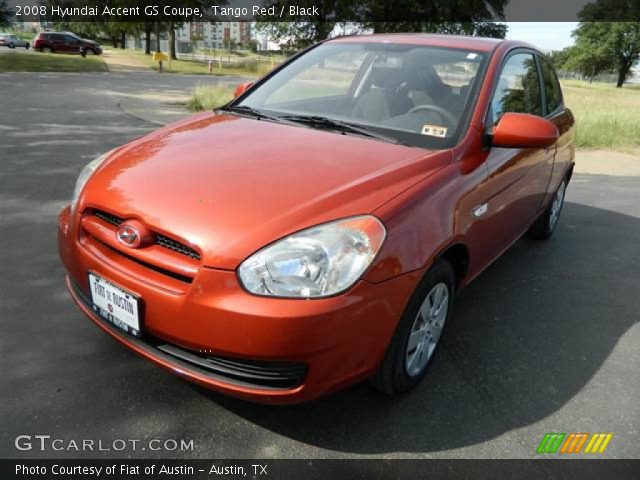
544, 226
418, 334
11, 45
46, 50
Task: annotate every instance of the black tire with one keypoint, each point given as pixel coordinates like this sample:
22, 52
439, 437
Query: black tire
46, 50
392, 377
83, 53
11, 45
546, 223
27, 46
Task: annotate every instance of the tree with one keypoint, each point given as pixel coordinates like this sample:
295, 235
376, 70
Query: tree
472, 17
466, 17
606, 46
5, 13
559, 58
603, 44
475, 28
148, 28
298, 32
172, 39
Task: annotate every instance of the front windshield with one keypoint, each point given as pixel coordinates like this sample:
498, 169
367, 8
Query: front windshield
418, 95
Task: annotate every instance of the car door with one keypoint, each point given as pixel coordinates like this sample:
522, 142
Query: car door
517, 178
562, 118
57, 42
72, 44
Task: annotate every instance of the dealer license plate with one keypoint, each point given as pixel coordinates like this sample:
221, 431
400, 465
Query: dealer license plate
115, 305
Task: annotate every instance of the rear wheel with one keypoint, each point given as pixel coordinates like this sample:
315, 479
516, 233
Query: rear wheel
545, 225
11, 45
46, 50
418, 334
27, 46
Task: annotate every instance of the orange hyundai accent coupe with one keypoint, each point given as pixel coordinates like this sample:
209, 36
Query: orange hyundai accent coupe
312, 233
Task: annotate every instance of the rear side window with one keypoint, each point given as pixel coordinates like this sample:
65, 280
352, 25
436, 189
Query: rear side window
518, 88
552, 91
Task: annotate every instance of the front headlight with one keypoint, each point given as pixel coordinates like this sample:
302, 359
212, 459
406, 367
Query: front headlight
317, 262
85, 174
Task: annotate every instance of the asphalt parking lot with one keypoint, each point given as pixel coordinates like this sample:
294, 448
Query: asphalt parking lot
546, 340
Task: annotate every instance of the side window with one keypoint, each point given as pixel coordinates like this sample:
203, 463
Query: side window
552, 91
56, 38
70, 39
518, 88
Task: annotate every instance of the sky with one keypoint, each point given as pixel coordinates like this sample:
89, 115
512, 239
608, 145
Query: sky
544, 35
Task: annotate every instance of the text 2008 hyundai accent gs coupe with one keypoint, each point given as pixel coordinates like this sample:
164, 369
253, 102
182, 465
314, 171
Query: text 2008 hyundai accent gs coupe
313, 232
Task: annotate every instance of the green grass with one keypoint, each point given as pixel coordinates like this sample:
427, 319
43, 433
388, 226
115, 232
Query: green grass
50, 62
249, 67
606, 117
208, 97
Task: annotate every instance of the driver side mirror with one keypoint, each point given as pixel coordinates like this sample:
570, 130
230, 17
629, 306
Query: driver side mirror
521, 130
240, 89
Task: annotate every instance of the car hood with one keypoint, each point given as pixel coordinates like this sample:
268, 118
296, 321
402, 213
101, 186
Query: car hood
229, 185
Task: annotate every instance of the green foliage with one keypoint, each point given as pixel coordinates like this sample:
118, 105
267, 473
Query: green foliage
478, 28
603, 45
559, 58
209, 97
5, 13
299, 33
473, 17
466, 17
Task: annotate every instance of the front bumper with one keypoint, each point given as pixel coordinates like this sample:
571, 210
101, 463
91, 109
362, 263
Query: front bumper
338, 340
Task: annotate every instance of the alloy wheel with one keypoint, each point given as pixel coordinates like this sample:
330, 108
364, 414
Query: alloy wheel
556, 206
426, 330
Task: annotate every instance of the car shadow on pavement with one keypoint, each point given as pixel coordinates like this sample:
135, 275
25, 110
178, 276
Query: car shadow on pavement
524, 339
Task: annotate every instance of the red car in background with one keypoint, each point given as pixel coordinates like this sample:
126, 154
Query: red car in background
65, 42
313, 232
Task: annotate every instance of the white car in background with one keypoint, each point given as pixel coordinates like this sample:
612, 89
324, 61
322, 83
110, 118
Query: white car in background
12, 41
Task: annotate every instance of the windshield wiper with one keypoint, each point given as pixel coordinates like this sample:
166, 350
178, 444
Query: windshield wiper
344, 127
250, 111
257, 114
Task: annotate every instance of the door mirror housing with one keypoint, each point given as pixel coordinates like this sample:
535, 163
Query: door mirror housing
521, 130
240, 89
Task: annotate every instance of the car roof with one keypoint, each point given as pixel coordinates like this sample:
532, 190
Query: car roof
482, 44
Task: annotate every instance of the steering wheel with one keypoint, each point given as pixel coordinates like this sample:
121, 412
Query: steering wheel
435, 108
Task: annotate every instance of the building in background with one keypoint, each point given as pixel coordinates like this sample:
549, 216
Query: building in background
218, 34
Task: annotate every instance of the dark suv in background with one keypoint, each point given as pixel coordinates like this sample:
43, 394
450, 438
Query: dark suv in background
65, 42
